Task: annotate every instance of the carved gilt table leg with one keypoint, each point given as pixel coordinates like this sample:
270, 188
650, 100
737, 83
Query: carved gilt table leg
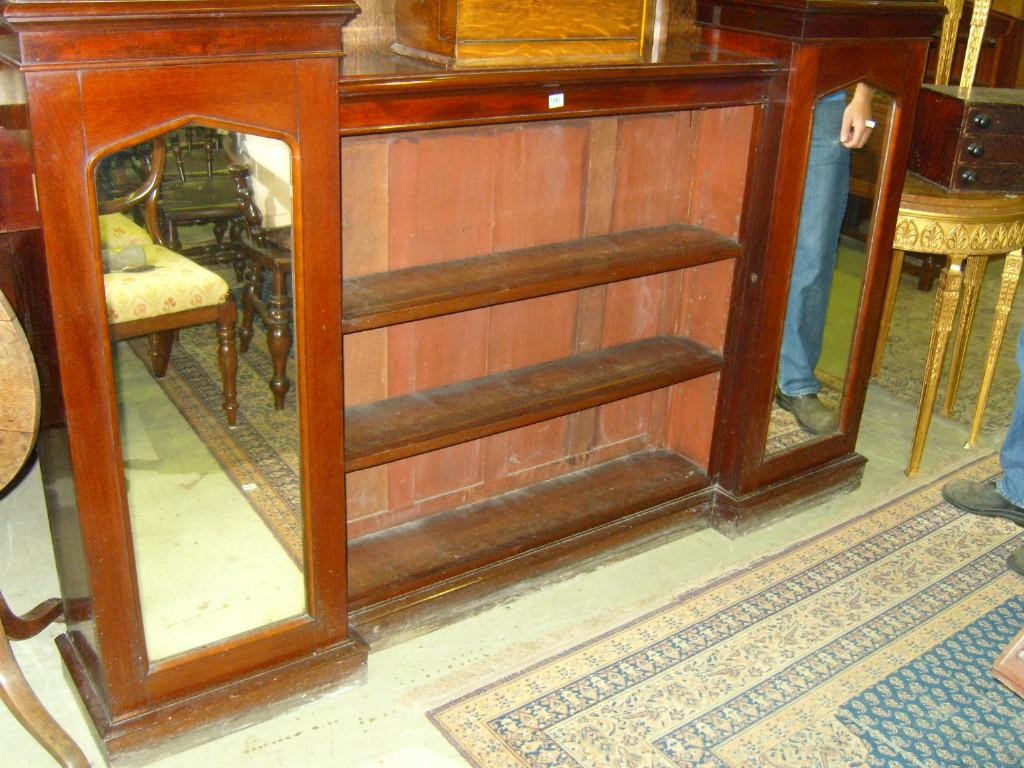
895, 270
946, 299
1007, 290
968, 306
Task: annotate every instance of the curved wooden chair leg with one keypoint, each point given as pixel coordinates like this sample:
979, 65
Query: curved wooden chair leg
32, 623
19, 697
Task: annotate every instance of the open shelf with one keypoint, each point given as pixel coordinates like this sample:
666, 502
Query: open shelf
427, 551
415, 293
407, 425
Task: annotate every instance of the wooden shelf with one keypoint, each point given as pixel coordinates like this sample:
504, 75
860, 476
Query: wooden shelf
402, 295
424, 552
399, 427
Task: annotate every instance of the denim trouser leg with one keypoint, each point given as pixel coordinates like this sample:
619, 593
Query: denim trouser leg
1011, 484
821, 216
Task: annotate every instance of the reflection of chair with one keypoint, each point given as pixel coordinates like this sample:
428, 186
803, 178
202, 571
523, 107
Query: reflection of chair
196, 190
264, 255
169, 291
18, 388
964, 228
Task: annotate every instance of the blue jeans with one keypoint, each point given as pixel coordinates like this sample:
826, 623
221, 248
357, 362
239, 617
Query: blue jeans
821, 215
1011, 484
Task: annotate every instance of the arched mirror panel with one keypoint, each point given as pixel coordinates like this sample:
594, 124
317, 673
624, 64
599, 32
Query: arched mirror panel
194, 227
849, 134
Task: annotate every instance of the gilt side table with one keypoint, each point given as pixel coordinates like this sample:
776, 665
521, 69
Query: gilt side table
966, 229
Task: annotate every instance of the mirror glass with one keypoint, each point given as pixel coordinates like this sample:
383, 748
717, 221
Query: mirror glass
827, 277
195, 235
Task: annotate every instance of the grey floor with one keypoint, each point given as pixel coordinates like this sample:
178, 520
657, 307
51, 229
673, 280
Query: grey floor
382, 723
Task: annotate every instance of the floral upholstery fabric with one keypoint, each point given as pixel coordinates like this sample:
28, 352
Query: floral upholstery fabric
118, 231
176, 284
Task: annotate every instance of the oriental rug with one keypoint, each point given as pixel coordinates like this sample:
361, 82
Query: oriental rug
867, 645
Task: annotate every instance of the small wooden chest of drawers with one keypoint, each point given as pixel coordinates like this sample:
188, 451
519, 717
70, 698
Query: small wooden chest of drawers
970, 139
548, 31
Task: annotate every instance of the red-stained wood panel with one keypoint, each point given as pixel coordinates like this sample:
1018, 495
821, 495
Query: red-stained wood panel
364, 179
441, 204
631, 313
691, 417
431, 197
721, 167
539, 200
441, 196
704, 303
597, 220
654, 170
654, 164
525, 333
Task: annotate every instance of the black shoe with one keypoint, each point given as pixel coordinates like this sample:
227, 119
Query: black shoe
981, 499
809, 413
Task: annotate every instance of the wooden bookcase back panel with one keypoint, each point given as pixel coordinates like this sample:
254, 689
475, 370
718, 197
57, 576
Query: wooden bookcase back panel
544, 199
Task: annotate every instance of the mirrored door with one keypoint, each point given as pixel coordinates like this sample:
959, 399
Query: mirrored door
195, 233
850, 129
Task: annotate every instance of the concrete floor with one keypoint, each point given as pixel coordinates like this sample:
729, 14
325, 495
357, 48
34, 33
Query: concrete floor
382, 723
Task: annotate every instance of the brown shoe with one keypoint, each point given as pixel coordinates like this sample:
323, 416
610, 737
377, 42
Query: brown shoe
810, 413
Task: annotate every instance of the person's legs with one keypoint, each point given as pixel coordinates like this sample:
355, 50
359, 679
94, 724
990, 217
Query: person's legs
821, 214
1003, 497
1011, 456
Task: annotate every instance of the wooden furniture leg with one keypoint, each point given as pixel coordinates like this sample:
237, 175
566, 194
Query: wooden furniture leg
15, 690
227, 358
968, 306
895, 270
946, 299
279, 335
1007, 290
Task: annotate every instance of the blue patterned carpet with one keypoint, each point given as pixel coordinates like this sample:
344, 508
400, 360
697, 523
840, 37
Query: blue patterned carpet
860, 647
944, 708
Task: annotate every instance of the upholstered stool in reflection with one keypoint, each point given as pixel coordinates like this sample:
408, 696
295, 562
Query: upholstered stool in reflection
164, 291
19, 418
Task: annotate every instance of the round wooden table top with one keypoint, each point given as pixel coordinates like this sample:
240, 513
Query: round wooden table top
19, 396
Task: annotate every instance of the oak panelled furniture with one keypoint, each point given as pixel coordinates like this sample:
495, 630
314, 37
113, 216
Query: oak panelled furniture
540, 326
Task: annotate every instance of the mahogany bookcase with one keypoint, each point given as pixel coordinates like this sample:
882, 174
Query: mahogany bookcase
538, 308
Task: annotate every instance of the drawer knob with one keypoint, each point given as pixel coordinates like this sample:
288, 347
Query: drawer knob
982, 121
975, 149
969, 177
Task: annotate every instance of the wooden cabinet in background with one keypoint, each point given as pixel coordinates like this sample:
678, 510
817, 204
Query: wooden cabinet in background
474, 32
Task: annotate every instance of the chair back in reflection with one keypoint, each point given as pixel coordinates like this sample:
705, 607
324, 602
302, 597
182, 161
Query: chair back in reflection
153, 291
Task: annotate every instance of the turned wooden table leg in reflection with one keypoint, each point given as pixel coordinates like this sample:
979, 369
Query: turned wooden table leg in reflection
947, 298
1007, 290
